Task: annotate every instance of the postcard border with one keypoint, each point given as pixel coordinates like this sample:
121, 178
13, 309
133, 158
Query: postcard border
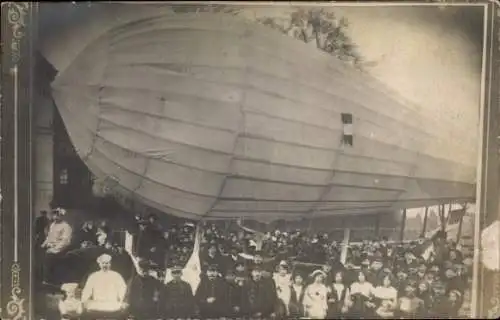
16, 158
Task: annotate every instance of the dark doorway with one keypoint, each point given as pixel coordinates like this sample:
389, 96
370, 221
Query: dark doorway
72, 179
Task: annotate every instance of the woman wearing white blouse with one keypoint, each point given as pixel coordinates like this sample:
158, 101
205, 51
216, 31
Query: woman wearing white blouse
315, 297
361, 295
387, 297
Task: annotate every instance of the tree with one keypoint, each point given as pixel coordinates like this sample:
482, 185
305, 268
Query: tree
321, 26
307, 25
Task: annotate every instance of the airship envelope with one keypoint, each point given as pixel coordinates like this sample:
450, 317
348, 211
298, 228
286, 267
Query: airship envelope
211, 116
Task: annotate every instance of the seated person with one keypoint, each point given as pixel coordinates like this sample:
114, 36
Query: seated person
105, 290
70, 307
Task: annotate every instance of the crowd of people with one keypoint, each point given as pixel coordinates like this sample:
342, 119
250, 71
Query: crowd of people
247, 274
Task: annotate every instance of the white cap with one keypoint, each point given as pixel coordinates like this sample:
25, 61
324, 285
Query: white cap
104, 258
69, 287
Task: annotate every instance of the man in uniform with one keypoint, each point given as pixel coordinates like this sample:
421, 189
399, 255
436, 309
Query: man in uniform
211, 295
177, 297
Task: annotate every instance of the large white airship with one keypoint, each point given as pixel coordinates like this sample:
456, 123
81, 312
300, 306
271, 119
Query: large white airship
206, 115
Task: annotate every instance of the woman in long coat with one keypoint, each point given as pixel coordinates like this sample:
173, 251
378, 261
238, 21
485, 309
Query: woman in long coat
296, 307
338, 298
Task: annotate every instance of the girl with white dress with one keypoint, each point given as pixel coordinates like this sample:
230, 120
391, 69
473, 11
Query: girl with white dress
315, 297
283, 282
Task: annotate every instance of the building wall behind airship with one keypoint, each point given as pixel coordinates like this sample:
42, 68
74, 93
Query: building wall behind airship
206, 114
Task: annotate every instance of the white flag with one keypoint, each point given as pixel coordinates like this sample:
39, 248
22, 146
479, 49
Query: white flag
192, 271
429, 251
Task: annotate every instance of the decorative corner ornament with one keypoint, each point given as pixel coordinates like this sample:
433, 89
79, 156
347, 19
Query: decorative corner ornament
16, 12
15, 306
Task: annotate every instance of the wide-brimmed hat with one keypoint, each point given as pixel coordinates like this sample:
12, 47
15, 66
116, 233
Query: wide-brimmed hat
284, 264
317, 272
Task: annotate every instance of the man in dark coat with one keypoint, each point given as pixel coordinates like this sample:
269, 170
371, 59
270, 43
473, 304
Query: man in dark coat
211, 295
177, 297
236, 293
262, 296
41, 227
144, 294
232, 259
87, 233
212, 258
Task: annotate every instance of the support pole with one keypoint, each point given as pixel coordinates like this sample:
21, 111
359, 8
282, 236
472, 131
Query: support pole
442, 220
403, 226
377, 227
459, 232
345, 245
424, 227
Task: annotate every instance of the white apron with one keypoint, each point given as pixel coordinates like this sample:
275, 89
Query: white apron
315, 301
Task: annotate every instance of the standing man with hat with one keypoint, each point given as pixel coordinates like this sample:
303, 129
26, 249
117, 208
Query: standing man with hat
177, 297
143, 293
211, 295
58, 239
262, 296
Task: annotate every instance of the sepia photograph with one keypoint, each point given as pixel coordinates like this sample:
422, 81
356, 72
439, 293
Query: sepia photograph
249, 161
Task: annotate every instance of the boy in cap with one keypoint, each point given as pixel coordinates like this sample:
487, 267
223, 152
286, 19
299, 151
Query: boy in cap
70, 307
210, 296
177, 297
